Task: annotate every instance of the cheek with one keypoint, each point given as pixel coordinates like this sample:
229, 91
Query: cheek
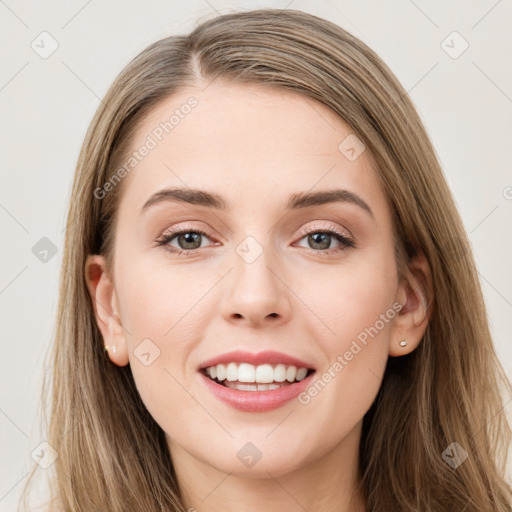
349, 298
355, 306
158, 298
164, 310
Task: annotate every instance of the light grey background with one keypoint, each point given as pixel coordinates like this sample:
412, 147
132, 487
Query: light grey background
46, 105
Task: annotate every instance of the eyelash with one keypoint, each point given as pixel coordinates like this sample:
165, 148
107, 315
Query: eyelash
346, 242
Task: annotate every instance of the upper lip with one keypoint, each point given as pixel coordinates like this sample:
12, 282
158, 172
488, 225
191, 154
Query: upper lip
267, 356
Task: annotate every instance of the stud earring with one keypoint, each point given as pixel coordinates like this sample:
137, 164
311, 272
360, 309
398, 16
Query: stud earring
403, 343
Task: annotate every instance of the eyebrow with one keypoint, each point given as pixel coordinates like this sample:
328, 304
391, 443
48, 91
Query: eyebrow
212, 200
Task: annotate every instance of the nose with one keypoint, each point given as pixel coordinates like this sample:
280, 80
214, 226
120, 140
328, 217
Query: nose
257, 293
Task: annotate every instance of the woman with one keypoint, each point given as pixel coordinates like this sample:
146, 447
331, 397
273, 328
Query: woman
268, 300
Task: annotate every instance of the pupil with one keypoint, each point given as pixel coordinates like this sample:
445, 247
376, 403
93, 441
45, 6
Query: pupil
190, 238
320, 238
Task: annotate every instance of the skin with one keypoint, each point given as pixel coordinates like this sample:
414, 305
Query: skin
255, 146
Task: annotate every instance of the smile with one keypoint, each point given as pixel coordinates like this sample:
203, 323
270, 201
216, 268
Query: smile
256, 382
248, 377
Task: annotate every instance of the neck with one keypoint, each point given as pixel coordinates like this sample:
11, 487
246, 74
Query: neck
327, 484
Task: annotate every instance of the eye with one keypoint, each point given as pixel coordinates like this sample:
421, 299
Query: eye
319, 240
189, 240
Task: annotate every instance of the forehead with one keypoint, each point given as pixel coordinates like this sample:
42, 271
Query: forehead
246, 142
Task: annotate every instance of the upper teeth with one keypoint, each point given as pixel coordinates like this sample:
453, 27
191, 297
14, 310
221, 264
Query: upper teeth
264, 373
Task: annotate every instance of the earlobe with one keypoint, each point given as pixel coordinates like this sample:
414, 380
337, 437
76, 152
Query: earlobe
104, 301
414, 293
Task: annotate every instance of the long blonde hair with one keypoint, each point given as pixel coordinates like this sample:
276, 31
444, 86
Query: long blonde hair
111, 453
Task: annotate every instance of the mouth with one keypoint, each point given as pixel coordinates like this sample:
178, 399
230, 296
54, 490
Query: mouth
249, 377
256, 382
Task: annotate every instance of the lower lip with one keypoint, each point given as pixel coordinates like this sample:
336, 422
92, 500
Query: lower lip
256, 401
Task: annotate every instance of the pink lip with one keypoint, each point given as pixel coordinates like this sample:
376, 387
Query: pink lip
256, 401
268, 356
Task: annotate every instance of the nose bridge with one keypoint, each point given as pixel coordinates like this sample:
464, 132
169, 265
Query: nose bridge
257, 292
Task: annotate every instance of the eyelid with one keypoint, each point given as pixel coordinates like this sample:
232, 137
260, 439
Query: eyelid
184, 226
309, 228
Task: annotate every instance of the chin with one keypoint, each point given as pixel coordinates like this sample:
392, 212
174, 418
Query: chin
257, 460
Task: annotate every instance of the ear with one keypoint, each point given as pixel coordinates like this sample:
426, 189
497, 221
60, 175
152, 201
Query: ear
414, 292
104, 299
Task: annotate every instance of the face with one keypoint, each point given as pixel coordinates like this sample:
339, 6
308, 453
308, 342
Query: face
284, 280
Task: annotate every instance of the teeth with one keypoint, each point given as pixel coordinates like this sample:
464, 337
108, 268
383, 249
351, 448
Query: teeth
221, 372
264, 374
301, 373
291, 373
254, 387
280, 373
232, 372
246, 373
